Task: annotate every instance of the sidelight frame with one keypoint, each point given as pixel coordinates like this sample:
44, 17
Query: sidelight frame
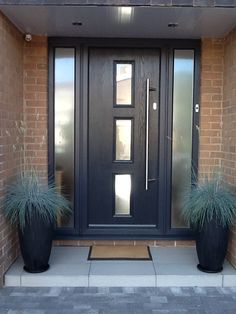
82, 46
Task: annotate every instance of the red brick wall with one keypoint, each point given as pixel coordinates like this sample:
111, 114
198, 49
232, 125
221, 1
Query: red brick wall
229, 126
23, 99
11, 141
212, 59
162, 243
35, 101
218, 113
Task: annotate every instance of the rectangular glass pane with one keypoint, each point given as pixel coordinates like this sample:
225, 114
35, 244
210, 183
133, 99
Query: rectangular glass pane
123, 139
122, 194
182, 131
64, 125
124, 84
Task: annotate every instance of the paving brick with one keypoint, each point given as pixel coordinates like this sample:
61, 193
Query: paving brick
131, 301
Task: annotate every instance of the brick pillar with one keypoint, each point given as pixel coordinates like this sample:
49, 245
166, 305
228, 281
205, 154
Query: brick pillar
23, 97
11, 113
211, 90
229, 126
218, 113
36, 102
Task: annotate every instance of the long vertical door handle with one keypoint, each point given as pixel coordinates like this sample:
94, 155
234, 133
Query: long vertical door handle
147, 134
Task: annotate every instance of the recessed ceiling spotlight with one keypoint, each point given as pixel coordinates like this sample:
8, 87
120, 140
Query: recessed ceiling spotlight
125, 14
77, 23
126, 10
173, 25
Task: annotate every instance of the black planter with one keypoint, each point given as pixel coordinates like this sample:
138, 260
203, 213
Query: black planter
36, 243
211, 245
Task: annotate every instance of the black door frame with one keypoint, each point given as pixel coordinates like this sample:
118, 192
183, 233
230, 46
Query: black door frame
82, 46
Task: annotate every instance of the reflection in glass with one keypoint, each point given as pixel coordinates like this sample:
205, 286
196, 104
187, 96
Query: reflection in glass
123, 84
182, 131
122, 194
123, 139
64, 126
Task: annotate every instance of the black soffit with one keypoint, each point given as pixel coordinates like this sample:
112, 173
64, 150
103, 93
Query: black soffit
147, 3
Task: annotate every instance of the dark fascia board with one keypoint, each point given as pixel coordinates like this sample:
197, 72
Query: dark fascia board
147, 3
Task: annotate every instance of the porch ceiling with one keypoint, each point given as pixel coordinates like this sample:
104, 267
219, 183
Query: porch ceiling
136, 22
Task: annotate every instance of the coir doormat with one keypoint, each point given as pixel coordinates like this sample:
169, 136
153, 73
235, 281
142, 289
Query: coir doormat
119, 252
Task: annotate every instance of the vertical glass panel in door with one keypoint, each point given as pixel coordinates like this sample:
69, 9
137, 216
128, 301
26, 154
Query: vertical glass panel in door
123, 84
123, 129
122, 194
182, 132
64, 126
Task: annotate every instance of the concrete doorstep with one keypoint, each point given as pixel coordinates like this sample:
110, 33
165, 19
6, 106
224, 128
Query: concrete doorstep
69, 267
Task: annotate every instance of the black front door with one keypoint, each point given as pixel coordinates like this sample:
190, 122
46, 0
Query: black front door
123, 149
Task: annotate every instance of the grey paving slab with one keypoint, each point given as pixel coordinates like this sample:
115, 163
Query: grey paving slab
13, 276
188, 281
122, 273
177, 267
170, 267
182, 270
174, 255
122, 267
229, 275
69, 255
58, 275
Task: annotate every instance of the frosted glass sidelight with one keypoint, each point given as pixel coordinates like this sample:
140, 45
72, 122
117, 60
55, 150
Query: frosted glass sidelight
124, 84
123, 139
122, 194
64, 125
182, 131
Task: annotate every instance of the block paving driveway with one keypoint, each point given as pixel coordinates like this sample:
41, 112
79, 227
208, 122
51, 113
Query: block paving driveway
117, 300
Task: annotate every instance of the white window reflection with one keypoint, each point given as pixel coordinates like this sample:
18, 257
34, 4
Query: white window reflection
64, 125
182, 131
64, 98
123, 84
122, 194
123, 139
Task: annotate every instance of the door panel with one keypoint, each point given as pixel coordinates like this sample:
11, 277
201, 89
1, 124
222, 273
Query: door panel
117, 120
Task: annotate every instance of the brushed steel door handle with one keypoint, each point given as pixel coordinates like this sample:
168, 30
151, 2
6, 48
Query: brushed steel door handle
147, 134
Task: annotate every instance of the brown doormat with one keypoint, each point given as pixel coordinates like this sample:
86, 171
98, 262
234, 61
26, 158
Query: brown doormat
119, 252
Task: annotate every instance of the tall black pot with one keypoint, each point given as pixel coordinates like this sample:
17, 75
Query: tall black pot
36, 243
211, 245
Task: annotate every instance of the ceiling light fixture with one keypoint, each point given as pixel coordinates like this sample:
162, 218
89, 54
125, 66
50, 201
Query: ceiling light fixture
125, 14
77, 24
126, 11
173, 25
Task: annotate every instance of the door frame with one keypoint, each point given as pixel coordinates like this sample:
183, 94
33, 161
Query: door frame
82, 46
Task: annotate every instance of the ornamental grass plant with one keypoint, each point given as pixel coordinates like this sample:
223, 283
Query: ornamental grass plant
30, 196
210, 198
